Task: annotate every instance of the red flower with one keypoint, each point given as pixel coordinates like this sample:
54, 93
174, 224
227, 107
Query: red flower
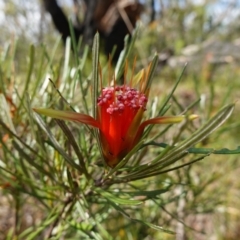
120, 112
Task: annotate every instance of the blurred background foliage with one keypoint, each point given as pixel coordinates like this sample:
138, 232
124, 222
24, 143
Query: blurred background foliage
200, 201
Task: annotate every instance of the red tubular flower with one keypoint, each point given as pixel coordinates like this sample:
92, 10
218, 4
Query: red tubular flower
119, 119
120, 110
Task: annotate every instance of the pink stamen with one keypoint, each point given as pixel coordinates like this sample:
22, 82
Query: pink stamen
117, 98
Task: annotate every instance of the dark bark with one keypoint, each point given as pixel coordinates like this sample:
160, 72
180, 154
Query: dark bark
116, 37
60, 20
112, 31
153, 12
89, 26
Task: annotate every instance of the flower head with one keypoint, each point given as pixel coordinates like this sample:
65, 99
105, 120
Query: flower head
119, 117
120, 110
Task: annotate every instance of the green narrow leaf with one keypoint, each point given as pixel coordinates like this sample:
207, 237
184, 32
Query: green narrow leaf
128, 45
158, 172
180, 151
96, 235
153, 226
73, 40
12, 134
39, 75
76, 56
11, 50
227, 151
32, 162
67, 55
6, 113
164, 107
73, 143
95, 78
103, 231
84, 57
198, 150
52, 216
95, 88
148, 194
111, 197
55, 143
153, 66
206, 129
50, 57
199, 135
61, 96
172, 92
30, 70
